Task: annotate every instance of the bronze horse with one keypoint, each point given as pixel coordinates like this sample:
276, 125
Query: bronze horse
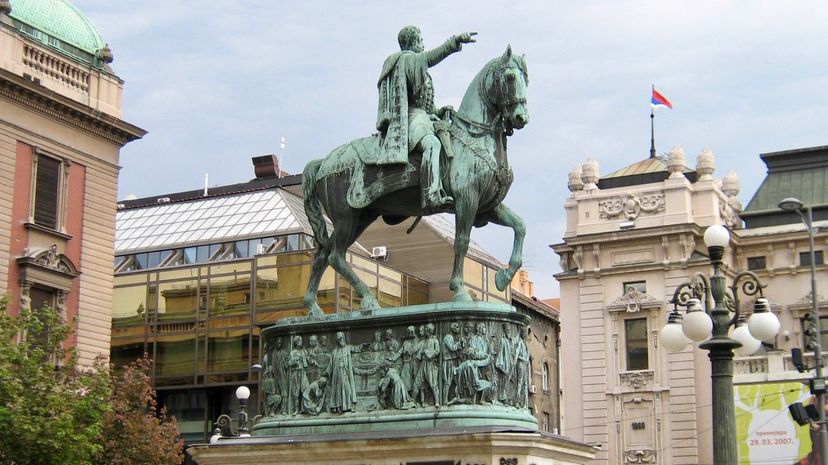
478, 176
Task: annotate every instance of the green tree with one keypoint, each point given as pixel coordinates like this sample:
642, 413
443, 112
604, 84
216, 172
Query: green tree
50, 411
55, 413
136, 432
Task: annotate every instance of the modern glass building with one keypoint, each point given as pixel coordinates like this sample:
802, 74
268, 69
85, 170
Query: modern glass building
197, 277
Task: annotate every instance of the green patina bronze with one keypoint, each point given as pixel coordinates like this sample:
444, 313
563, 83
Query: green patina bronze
423, 161
418, 367
441, 365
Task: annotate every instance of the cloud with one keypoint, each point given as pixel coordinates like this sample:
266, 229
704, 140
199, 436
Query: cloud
216, 83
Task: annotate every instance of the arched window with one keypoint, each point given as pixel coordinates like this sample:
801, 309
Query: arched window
545, 376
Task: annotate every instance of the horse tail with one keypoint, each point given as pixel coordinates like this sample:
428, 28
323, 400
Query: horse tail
313, 207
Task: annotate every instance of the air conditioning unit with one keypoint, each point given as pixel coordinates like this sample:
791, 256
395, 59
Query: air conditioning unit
379, 253
533, 389
260, 249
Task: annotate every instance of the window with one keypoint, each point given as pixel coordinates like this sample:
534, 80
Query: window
635, 337
545, 376
756, 263
545, 425
640, 286
805, 258
47, 192
41, 299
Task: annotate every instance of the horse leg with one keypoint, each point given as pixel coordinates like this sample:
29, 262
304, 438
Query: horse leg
466, 210
504, 216
320, 262
348, 228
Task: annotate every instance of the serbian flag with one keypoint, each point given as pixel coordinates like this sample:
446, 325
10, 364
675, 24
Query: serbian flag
658, 100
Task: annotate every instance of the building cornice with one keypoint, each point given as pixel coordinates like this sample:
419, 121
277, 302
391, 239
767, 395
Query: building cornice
626, 236
51, 104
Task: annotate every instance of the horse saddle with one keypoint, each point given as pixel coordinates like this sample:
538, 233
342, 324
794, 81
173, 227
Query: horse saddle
369, 180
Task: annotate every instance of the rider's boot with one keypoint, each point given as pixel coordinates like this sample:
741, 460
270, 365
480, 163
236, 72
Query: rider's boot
434, 197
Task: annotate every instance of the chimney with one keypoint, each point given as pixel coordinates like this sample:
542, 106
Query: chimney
266, 166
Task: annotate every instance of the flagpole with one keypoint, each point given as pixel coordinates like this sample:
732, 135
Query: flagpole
652, 130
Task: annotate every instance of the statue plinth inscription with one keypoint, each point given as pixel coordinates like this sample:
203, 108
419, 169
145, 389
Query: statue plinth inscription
423, 366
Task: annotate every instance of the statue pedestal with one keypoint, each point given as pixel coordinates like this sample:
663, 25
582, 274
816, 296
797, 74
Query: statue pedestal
481, 445
426, 367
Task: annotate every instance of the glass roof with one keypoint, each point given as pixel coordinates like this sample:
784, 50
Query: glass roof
209, 220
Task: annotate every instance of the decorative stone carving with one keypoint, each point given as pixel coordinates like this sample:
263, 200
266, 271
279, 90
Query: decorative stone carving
60, 305
578, 258
633, 301
676, 162
575, 183
590, 174
25, 294
5, 7
689, 247
706, 165
808, 299
631, 205
730, 184
637, 380
105, 54
508, 461
640, 456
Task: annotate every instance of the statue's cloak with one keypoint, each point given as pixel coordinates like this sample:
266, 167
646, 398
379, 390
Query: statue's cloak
400, 70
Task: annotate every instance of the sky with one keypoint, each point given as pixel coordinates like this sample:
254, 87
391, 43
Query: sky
216, 83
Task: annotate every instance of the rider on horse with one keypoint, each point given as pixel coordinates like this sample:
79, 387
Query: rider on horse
406, 111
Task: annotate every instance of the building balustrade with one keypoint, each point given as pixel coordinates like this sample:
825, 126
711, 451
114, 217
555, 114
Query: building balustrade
775, 365
55, 68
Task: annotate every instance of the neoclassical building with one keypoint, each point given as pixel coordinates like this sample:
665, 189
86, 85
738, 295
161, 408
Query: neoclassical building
632, 237
61, 130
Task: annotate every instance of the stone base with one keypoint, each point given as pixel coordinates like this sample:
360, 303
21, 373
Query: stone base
469, 446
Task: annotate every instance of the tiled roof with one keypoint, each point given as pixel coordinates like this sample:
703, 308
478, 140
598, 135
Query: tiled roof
801, 173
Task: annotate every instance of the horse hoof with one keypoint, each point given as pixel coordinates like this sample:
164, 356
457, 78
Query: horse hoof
315, 312
502, 279
463, 296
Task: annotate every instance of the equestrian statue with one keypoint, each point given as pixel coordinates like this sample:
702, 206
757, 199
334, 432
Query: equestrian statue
423, 161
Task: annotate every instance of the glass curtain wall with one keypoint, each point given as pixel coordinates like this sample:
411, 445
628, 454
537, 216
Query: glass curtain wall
200, 323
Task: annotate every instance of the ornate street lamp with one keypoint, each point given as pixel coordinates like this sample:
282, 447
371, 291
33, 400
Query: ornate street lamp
223, 423
818, 382
719, 312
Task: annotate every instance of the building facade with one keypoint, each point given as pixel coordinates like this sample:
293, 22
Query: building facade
199, 274
61, 130
632, 237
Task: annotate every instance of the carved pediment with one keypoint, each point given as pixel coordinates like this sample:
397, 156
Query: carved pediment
633, 301
808, 299
48, 267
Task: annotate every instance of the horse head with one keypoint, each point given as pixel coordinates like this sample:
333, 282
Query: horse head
508, 90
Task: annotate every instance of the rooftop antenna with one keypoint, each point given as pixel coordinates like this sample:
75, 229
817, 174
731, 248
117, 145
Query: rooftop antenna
281, 155
206, 181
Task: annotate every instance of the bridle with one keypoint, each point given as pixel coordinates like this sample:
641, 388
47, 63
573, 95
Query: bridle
504, 97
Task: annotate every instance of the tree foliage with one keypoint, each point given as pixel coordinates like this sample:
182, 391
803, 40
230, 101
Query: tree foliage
50, 411
54, 412
135, 431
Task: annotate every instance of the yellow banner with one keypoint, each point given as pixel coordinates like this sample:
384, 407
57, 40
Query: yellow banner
766, 433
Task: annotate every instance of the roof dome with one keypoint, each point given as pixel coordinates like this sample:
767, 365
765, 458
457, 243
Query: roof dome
58, 24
